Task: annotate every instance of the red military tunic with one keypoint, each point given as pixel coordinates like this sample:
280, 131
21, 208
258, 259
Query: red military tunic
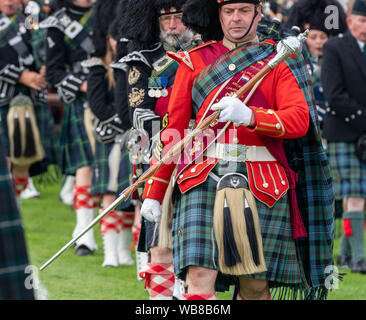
286, 117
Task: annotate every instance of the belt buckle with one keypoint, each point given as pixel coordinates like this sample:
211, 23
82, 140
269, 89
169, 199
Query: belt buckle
235, 152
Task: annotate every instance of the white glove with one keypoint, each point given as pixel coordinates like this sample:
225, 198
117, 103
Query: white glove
232, 109
151, 210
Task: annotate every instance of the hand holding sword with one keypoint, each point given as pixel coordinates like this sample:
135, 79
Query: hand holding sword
285, 48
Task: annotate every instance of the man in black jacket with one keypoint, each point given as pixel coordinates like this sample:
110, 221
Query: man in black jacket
344, 83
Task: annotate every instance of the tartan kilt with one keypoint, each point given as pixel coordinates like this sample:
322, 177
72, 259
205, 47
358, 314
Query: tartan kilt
46, 127
348, 172
74, 146
101, 172
47, 131
13, 250
194, 240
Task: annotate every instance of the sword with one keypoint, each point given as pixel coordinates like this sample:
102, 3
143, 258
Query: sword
285, 48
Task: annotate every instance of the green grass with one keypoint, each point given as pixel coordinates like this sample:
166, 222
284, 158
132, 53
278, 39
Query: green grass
48, 227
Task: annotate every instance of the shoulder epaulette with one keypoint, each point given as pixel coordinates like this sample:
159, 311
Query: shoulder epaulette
54, 21
119, 65
184, 56
92, 62
203, 45
139, 56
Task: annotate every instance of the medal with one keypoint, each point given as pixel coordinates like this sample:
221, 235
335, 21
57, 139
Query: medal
158, 94
164, 93
151, 93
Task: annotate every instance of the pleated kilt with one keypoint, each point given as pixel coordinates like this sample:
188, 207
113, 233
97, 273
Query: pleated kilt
46, 127
194, 241
74, 145
13, 251
101, 172
348, 172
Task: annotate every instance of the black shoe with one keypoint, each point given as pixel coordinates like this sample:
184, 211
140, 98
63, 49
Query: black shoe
344, 260
359, 266
83, 251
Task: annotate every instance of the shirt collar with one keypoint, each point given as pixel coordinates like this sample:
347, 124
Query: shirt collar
232, 45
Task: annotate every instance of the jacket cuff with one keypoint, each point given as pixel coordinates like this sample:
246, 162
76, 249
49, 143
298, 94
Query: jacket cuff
11, 74
68, 88
268, 123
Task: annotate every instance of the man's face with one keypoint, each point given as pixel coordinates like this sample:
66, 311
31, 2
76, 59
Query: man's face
357, 26
235, 21
171, 26
83, 3
9, 7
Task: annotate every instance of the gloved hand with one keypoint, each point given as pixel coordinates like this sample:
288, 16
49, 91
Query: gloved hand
151, 210
232, 109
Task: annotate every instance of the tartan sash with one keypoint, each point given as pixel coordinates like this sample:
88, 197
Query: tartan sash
87, 23
218, 72
11, 30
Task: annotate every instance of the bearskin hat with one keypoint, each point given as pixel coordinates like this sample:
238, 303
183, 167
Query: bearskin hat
202, 16
141, 20
105, 12
311, 14
58, 4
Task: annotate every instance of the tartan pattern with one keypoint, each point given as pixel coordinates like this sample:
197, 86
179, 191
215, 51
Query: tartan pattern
218, 72
101, 172
314, 190
13, 250
87, 22
74, 146
194, 241
315, 193
12, 28
348, 171
46, 127
38, 43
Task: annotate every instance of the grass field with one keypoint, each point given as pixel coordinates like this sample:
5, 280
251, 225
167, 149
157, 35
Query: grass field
48, 227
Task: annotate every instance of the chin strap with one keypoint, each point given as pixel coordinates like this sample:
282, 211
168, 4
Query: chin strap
251, 24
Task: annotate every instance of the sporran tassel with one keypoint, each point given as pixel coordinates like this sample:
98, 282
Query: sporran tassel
30, 146
15, 138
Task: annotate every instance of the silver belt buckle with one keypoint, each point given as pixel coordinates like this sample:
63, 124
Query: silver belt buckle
235, 152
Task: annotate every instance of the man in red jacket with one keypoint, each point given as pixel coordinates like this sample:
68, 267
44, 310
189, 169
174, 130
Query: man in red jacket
246, 140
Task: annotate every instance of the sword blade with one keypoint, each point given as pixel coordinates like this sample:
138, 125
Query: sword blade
120, 199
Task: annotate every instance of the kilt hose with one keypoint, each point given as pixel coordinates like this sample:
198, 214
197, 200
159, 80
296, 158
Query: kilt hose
74, 146
194, 241
348, 172
101, 173
13, 250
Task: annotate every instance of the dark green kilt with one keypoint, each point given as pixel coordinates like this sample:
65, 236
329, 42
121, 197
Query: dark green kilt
74, 147
101, 172
194, 240
46, 127
13, 251
348, 172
